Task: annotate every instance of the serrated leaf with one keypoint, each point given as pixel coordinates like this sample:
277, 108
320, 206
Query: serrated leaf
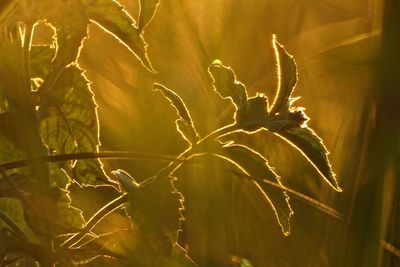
68, 215
113, 18
52, 213
225, 83
147, 10
313, 149
180, 258
69, 124
71, 30
252, 115
40, 60
184, 124
287, 78
58, 177
155, 207
256, 166
49, 212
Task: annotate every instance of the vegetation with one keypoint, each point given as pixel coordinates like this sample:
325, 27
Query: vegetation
52, 162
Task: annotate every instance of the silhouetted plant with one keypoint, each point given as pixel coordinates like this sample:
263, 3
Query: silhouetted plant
49, 140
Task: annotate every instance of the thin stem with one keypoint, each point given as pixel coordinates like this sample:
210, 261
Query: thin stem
89, 155
116, 203
95, 219
309, 200
228, 129
191, 151
389, 247
29, 120
28, 31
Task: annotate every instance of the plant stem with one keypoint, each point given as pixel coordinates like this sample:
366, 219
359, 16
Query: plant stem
192, 150
89, 155
26, 57
175, 164
29, 122
95, 219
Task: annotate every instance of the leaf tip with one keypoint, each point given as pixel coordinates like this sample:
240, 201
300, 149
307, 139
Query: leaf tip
217, 62
336, 186
158, 86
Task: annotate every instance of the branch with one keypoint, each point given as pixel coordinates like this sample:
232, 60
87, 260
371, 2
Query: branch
88, 155
95, 219
392, 249
191, 151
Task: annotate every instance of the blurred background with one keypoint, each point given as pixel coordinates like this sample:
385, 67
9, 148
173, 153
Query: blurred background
348, 60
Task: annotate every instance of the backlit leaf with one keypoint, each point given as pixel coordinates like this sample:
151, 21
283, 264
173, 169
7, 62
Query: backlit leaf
252, 115
113, 18
70, 28
155, 207
58, 177
180, 258
311, 146
184, 124
147, 11
225, 83
40, 60
287, 78
256, 166
68, 215
69, 124
51, 213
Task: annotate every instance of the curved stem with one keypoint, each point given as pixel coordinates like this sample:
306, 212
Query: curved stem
228, 129
89, 155
175, 164
191, 151
95, 219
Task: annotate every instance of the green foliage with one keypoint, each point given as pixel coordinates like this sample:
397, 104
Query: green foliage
225, 83
184, 124
256, 167
47, 110
112, 17
147, 10
68, 124
311, 146
282, 118
287, 78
